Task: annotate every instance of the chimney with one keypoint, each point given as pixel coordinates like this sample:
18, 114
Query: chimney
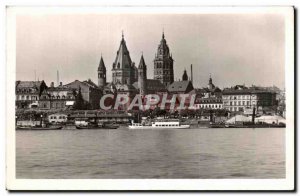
52, 84
57, 77
192, 73
60, 83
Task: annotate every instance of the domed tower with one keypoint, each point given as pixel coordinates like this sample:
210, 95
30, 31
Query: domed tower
163, 63
142, 77
185, 76
101, 74
210, 85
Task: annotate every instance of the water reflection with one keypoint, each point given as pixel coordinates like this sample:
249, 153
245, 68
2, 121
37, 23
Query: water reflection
124, 153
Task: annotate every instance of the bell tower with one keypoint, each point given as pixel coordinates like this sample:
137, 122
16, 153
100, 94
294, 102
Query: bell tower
142, 77
101, 74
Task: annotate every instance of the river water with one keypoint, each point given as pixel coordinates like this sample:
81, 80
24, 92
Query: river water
124, 153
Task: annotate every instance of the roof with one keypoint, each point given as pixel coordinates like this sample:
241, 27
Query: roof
28, 84
232, 91
122, 59
152, 85
163, 48
142, 64
180, 86
101, 65
88, 83
59, 88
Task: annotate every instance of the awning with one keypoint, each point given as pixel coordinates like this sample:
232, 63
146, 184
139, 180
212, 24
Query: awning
70, 102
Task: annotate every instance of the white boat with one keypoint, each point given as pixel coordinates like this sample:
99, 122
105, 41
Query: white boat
162, 124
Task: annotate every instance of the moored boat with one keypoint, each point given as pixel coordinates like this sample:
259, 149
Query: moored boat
161, 124
99, 126
38, 128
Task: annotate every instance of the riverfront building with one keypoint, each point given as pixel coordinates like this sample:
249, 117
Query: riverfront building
28, 93
58, 98
91, 93
240, 98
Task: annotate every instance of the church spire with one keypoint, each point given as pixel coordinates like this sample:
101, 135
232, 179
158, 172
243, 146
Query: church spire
185, 76
142, 63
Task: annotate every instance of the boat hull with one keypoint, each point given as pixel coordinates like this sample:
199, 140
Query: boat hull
38, 128
153, 127
95, 127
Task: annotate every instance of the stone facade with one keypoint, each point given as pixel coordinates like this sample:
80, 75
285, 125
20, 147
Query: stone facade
124, 70
142, 77
163, 64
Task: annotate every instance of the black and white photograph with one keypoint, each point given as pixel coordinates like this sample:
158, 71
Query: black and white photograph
150, 98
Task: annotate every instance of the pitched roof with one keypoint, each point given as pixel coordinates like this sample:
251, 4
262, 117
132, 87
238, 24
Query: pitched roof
88, 83
101, 65
122, 59
28, 84
180, 86
142, 64
91, 83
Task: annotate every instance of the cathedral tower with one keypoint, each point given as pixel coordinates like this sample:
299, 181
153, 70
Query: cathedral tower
163, 63
123, 70
142, 78
101, 74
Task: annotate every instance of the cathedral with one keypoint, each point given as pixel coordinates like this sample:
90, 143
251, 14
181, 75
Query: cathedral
129, 79
163, 63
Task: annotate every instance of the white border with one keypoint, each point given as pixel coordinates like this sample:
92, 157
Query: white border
148, 184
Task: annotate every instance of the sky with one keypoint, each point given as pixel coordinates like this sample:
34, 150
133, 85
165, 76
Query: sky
232, 48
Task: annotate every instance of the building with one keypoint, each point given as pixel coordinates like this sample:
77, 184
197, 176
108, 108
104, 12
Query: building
142, 77
180, 87
240, 98
163, 64
101, 74
57, 118
210, 91
28, 93
211, 103
153, 87
91, 93
58, 98
123, 69
185, 76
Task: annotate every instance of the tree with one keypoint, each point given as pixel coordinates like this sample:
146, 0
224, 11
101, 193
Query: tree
79, 102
